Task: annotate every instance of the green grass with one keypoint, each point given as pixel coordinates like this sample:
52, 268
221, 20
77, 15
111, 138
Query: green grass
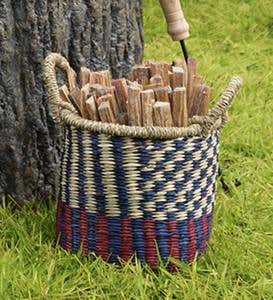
228, 38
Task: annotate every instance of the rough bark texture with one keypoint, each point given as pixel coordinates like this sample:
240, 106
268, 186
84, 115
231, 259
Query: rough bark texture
89, 33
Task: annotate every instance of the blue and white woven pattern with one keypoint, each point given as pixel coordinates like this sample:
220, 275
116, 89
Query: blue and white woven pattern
144, 185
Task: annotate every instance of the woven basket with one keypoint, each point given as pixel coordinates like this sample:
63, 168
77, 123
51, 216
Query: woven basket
132, 190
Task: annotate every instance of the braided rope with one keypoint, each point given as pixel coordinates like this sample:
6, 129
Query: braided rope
52, 61
65, 113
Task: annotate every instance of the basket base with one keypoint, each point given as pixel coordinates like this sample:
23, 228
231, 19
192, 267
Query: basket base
117, 240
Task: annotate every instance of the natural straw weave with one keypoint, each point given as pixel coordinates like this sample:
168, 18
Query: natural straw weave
133, 190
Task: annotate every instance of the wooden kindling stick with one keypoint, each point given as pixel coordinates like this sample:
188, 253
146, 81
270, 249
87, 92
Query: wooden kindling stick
164, 72
101, 77
121, 93
177, 77
147, 103
206, 98
201, 101
195, 84
91, 108
162, 114
159, 69
106, 113
86, 91
192, 69
75, 98
101, 90
162, 93
84, 76
71, 78
64, 93
134, 106
112, 101
156, 79
140, 74
179, 107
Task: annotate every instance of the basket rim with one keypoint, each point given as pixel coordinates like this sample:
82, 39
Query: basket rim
122, 130
69, 118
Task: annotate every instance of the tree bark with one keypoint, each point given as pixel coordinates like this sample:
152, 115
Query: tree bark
93, 33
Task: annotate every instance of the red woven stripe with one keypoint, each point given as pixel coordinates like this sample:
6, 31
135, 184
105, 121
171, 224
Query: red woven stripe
67, 227
150, 242
173, 243
126, 240
58, 221
204, 221
84, 232
102, 236
192, 245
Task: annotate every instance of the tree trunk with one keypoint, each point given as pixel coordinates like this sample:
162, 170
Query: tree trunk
93, 33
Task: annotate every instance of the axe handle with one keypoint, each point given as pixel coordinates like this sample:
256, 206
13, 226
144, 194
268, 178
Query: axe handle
178, 28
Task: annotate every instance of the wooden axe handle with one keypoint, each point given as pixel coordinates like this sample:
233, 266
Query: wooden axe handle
178, 28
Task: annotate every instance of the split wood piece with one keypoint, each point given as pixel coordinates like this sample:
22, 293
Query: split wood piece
206, 98
121, 93
181, 64
162, 114
71, 79
103, 98
134, 84
162, 93
107, 77
101, 90
106, 113
112, 100
75, 98
91, 108
177, 78
154, 68
171, 98
196, 82
147, 103
179, 108
201, 101
101, 77
86, 91
161, 69
164, 72
134, 106
197, 99
140, 74
192, 69
64, 93
84, 76
114, 103
156, 79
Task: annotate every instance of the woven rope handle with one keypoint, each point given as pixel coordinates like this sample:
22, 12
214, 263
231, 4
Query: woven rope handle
225, 100
52, 61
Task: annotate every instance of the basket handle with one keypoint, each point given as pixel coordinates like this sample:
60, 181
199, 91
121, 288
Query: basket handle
217, 116
52, 61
